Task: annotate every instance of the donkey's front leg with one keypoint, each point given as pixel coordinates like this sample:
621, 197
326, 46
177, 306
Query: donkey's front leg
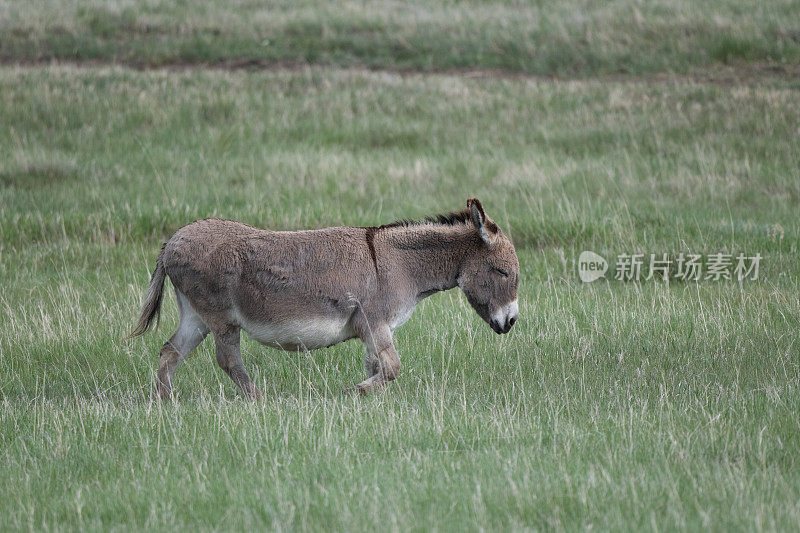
382, 361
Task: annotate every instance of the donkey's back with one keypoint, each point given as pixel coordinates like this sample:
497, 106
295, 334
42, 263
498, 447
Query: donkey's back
216, 258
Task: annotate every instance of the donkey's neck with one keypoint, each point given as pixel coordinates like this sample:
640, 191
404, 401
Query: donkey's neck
429, 256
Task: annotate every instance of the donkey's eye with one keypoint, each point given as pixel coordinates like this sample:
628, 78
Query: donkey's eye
500, 271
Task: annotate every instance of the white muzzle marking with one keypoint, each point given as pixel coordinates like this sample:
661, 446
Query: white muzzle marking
506, 316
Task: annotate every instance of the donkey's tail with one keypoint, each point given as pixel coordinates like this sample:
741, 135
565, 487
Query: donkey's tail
152, 303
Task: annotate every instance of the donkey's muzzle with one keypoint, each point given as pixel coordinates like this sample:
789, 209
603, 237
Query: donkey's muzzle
502, 328
502, 320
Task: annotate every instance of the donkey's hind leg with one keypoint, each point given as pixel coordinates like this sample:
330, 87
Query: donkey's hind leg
229, 358
190, 333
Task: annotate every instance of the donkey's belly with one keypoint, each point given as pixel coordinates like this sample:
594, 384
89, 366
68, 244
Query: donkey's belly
299, 333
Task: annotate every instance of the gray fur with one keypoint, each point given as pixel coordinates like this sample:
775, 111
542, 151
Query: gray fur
309, 289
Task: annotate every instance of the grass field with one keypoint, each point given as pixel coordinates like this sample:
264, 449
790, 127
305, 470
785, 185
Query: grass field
572, 37
609, 406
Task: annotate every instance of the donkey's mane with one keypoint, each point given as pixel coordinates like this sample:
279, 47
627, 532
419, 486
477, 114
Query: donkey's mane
445, 219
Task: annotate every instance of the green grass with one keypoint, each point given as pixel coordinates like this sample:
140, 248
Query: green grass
613, 406
564, 38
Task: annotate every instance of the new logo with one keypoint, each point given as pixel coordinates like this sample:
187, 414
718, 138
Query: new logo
591, 266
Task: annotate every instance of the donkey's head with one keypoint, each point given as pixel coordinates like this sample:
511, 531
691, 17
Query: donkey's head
490, 272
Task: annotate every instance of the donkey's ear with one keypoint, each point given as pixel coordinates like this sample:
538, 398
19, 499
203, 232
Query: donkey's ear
479, 219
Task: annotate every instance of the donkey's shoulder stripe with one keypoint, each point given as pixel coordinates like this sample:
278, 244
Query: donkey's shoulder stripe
370, 236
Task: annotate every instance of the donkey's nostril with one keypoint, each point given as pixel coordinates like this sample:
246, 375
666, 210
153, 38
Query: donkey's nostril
512, 321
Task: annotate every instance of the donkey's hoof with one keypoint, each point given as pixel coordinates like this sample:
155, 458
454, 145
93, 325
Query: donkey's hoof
161, 394
254, 395
359, 389
370, 387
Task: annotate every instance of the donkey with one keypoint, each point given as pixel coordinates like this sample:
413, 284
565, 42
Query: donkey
315, 288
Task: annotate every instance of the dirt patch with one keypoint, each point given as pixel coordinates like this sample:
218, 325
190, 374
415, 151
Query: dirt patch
37, 176
728, 75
